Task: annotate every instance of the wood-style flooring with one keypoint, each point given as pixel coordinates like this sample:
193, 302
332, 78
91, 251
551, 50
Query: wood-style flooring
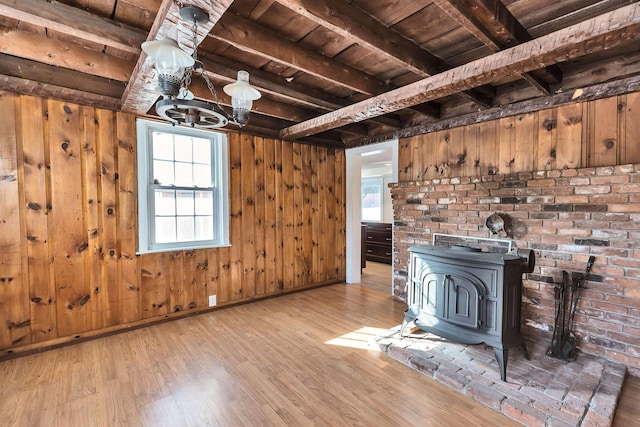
378, 276
296, 360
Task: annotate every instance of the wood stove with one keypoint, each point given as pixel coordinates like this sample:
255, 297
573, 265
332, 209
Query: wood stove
469, 297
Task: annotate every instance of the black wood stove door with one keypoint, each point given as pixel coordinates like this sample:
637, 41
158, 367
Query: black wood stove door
455, 297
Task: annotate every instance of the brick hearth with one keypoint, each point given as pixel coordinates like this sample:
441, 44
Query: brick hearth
539, 392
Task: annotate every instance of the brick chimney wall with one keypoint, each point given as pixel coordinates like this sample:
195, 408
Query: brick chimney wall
565, 216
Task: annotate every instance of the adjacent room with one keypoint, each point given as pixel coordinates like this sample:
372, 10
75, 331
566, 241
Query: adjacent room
340, 212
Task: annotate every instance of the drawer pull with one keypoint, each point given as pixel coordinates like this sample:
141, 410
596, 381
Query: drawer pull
388, 253
388, 239
370, 237
369, 251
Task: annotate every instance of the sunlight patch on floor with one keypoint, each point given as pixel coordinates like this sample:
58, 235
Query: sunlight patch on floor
363, 338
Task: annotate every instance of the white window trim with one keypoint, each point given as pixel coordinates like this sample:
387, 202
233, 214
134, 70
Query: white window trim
145, 197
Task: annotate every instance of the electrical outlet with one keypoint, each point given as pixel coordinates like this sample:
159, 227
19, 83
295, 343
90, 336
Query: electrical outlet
212, 300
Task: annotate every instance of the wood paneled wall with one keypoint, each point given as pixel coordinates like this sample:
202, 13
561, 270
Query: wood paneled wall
604, 132
68, 226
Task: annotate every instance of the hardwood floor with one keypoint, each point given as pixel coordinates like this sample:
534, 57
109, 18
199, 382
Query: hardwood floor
377, 276
628, 412
296, 360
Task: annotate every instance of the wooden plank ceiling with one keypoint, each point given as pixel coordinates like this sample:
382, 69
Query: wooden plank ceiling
334, 72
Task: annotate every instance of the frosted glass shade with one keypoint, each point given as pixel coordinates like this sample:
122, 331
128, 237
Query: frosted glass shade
169, 59
242, 97
241, 92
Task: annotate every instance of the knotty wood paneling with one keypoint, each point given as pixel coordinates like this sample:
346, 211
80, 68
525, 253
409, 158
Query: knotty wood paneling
603, 132
68, 226
13, 294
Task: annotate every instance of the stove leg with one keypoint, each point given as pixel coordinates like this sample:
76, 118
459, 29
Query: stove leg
502, 356
525, 351
409, 315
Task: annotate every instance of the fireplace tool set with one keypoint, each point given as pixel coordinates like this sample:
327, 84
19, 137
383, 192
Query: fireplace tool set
563, 341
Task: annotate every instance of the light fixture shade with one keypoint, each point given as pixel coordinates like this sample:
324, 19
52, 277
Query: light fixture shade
170, 62
242, 97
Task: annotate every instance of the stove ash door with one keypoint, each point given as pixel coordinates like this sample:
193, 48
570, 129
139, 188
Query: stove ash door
455, 297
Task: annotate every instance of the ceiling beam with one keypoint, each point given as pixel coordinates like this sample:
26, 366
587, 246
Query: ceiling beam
73, 22
33, 78
39, 47
142, 92
588, 93
60, 78
493, 24
593, 35
250, 37
353, 24
45, 90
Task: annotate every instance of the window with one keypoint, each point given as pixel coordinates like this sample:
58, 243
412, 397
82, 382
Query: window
371, 199
182, 188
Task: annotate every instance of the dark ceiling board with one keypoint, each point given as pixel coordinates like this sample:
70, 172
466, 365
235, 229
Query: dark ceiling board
246, 35
353, 24
242, 34
39, 47
59, 77
603, 32
74, 22
492, 23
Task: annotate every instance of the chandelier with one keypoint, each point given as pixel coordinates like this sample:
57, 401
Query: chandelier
175, 68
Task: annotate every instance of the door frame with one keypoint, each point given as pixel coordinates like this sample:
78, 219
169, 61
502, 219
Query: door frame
353, 214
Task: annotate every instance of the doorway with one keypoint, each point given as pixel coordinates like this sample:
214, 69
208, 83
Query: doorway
368, 161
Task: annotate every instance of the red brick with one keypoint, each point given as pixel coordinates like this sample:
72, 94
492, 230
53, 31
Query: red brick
596, 420
569, 172
613, 179
629, 207
624, 169
608, 198
542, 183
524, 413
593, 189
572, 199
626, 339
577, 181
623, 358
484, 394
587, 171
574, 405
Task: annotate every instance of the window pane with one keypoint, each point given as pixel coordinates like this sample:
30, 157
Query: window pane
204, 203
162, 146
185, 228
163, 172
165, 202
204, 227
202, 175
184, 203
184, 149
201, 150
184, 174
371, 201
165, 229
